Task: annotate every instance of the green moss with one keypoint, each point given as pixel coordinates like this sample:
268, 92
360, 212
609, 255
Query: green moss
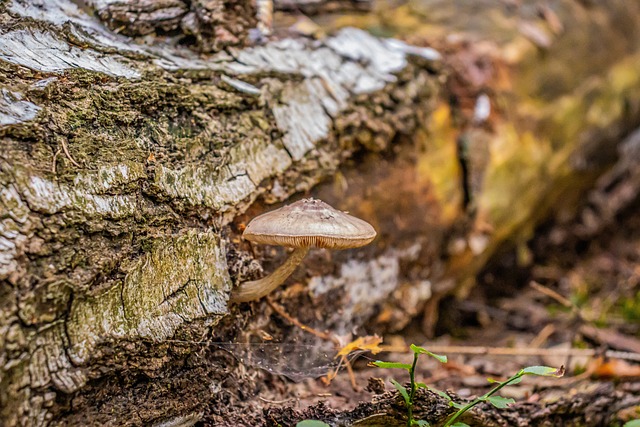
630, 308
107, 121
179, 280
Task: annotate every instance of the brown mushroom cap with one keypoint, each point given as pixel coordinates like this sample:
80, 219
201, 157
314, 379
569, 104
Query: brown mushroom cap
307, 223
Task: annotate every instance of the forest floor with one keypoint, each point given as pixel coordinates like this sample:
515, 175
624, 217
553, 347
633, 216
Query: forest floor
555, 293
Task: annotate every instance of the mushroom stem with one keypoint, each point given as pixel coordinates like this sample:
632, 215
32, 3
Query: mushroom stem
256, 289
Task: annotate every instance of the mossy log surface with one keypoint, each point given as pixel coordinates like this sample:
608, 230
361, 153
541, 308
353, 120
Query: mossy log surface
129, 165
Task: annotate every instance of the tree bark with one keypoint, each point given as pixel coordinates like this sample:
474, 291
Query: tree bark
123, 167
129, 165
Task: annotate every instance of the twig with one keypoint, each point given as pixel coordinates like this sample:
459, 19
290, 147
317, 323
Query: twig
323, 335
575, 310
276, 402
53, 162
542, 352
352, 375
66, 152
543, 336
552, 294
281, 311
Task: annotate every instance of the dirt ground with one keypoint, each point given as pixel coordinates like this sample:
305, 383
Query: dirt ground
534, 303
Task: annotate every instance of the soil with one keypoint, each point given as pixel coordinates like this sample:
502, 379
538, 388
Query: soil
584, 295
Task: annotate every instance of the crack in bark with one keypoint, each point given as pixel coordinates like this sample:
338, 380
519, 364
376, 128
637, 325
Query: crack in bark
175, 293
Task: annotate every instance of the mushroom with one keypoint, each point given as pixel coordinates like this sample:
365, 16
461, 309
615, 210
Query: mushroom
301, 225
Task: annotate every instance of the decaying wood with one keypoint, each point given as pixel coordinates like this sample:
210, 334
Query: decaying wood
313, 7
126, 243
614, 192
128, 166
212, 25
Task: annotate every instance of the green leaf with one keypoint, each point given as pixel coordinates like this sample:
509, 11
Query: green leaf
632, 423
544, 371
421, 350
381, 364
456, 404
420, 423
517, 380
422, 385
500, 402
459, 424
312, 423
417, 349
402, 389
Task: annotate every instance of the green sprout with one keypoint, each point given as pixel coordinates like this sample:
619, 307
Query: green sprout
489, 397
409, 395
499, 401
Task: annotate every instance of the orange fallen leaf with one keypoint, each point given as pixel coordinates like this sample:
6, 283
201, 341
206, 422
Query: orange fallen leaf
614, 368
368, 343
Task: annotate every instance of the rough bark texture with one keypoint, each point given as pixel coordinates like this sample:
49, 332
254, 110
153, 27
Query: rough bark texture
204, 25
128, 166
122, 167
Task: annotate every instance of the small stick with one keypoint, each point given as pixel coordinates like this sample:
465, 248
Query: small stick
352, 375
276, 402
552, 294
575, 310
543, 336
53, 162
66, 152
281, 311
323, 335
542, 352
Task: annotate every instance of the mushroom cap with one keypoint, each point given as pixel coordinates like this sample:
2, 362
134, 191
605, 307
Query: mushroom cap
307, 223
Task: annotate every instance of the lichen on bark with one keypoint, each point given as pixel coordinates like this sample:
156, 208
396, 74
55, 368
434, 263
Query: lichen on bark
124, 164
127, 168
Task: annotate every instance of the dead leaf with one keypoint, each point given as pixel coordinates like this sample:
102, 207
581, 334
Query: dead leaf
614, 368
368, 343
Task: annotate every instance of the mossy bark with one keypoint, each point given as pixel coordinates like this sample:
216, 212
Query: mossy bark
128, 167
123, 166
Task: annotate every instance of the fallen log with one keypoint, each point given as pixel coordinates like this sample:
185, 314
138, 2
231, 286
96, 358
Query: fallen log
130, 164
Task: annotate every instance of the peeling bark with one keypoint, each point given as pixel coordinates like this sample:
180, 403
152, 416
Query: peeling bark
123, 166
213, 25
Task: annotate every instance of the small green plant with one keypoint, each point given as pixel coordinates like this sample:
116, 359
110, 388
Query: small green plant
499, 401
409, 395
632, 423
489, 397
